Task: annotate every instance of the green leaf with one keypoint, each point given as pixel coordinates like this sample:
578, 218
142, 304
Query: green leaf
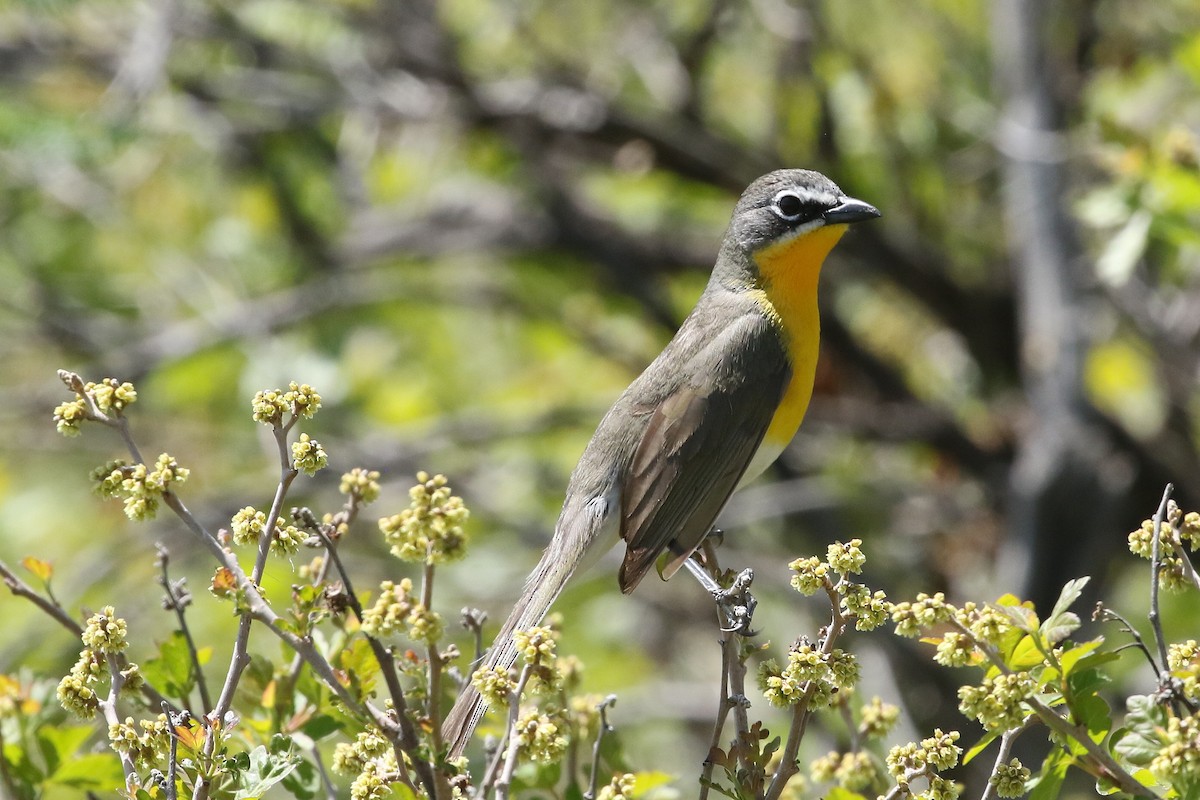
1060, 626
96, 771
612, 751
321, 726
304, 783
1138, 742
981, 745
1095, 714
1050, 779
838, 793
1062, 623
58, 745
171, 671
1067, 597
1072, 656
1022, 617
359, 661
402, 792
1025, 655
265, 768
1086, 683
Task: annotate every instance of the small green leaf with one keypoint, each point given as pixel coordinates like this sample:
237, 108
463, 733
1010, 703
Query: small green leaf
264, 768
59, 745
402, 792
612, 751
304, 783
95, 771
1022, 617
981, 745
1072, 656
321, 726
1050, 779
1086, 683
1060, 626
1025, 655
1062, 622
1095, 714
171, 671
359, 660
1069, 594
1138, 742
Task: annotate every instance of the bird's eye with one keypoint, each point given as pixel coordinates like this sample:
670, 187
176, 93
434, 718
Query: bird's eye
790, 207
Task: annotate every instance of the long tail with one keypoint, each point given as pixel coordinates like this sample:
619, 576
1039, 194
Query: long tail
542, 588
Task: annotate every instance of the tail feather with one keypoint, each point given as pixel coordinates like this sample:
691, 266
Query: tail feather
542, 587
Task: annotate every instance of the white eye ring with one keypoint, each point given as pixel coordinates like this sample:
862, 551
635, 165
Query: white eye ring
778, 210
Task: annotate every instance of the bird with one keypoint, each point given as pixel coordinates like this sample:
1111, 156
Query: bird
710, 413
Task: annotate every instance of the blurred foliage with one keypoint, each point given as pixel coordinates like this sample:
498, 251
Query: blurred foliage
471, 223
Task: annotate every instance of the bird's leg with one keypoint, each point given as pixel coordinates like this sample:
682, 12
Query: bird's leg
713, 539
735, 604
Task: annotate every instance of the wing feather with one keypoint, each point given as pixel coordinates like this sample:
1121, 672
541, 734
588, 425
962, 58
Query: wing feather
697, 444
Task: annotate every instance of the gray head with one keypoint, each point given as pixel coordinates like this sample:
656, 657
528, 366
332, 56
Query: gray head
788, 203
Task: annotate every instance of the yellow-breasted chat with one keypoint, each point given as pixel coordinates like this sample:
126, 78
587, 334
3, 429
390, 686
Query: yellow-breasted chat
716, 407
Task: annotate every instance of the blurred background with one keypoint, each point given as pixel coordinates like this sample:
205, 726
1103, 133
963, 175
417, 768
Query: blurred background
469, 224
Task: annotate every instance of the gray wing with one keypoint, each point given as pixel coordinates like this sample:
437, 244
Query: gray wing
698, 441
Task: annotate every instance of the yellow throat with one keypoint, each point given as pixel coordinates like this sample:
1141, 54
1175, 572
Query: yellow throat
788, 293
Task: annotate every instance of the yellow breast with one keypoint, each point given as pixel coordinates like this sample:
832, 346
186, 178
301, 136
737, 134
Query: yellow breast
788, 292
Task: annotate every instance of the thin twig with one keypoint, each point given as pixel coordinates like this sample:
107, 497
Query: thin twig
434, 676
602, 707
1006, 745
723, 708
240, 658
21, 589
173, 756
407, 740
177, 603
901, 789
508, 755
851, 726
800, 710
326, 781
1155, 571
1103, 612
109, 707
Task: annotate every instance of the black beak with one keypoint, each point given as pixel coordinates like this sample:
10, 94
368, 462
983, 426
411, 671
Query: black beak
850, 210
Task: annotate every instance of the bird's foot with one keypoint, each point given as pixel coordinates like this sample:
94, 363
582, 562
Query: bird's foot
735, 604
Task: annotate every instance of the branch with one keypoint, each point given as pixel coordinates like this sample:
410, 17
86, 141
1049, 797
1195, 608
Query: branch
508, 756
1155, 573
1006, 745
601, 707
55, 611
800, 711
178, 602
